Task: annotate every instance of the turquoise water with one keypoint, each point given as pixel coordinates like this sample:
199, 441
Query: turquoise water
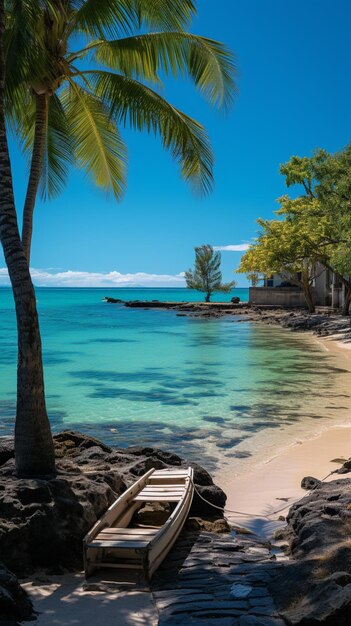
201, 387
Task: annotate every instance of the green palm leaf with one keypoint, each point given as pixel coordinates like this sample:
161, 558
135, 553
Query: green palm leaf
98, 147
58, 154
20, 54
112, 17
145, 57
132, 102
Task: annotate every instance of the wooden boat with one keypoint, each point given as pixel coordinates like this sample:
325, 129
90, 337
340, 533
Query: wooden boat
114, 541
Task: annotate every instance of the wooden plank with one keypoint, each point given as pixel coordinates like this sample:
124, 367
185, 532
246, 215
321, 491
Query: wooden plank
128, 544
124, 537
163, 491
170, 472
157, 499
163, 487
118, 565
129, 531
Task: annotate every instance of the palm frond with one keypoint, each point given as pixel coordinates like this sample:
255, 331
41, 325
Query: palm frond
112, 17
58, 154
98, 147
20, 111
20, 51
132, 102
209, 63
165, 14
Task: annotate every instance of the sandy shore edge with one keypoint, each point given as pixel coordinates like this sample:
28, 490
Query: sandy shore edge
269, 489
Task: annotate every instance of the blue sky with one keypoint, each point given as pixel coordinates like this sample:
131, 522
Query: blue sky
293, 62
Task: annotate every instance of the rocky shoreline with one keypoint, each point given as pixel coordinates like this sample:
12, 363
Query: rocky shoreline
42, 523
324, 323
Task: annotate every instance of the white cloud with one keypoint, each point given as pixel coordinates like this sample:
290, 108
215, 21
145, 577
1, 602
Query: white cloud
69, 278
237, 247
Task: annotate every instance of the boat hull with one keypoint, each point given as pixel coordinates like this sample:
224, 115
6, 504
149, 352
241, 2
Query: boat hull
112, 543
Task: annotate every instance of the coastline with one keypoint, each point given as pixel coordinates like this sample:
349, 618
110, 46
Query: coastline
269, 489
274, 484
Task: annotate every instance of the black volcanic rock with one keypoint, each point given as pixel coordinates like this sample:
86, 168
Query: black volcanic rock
43, 522
315, 588
309, 483
113, 300
14, 602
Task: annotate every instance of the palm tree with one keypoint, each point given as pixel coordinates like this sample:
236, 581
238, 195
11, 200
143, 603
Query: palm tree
207, 275
66, 107
89, 68
34, 447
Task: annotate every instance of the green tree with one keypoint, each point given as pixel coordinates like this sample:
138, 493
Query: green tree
34, 449
323, 209
314, 229
206, 275
66, 102
281, 248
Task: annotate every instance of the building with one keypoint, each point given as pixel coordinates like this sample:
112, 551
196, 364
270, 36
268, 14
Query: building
277, 290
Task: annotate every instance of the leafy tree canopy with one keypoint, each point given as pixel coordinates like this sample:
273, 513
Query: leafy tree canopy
314, 227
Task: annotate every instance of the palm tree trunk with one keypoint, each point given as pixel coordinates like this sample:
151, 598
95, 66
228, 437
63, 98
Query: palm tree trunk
208, 296
33, 441
41, 102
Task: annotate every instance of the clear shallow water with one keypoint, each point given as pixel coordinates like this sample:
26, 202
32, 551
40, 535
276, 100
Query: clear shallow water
210, 389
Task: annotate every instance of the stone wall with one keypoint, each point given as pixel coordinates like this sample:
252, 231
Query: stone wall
277, 296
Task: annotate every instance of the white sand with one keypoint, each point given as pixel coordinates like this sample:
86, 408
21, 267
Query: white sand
259, 491
62, 601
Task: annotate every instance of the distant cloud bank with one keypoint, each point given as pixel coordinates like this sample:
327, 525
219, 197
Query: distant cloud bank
236, 247
47, 278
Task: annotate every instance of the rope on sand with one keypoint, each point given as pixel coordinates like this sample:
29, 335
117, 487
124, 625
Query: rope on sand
267, 517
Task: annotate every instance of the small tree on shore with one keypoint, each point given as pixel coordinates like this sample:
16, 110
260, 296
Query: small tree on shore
206, 275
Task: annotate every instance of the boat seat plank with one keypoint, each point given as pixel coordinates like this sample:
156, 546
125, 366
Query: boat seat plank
164, 487
129, 544
128, 531
162, 492
126, 536
170, 472
151, 492
168, 476
150, 498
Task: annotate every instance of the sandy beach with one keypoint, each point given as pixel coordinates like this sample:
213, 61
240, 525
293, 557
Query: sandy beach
275, 483
63, 601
